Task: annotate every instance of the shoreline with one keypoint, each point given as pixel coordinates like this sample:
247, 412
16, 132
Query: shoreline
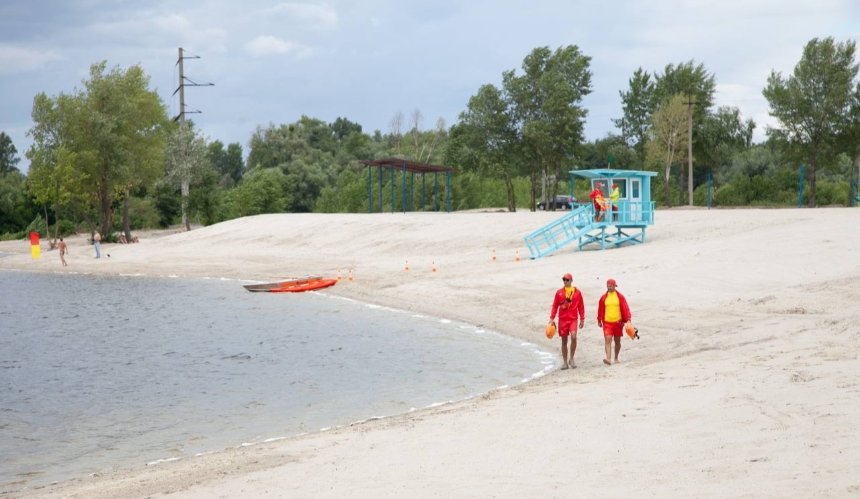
731, 383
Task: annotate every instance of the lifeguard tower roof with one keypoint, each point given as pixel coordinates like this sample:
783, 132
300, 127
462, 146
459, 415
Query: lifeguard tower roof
611, 173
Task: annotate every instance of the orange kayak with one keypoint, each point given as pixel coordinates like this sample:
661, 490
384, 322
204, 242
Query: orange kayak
306, 285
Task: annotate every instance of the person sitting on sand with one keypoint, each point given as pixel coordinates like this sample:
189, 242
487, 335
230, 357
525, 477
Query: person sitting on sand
569, 305
612, 313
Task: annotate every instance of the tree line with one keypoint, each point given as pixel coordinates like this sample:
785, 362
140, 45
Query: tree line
107, 157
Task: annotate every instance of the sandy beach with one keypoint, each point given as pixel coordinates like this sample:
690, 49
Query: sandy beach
745, 382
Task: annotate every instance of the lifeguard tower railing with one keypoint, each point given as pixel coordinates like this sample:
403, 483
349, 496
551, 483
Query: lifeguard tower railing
622, 224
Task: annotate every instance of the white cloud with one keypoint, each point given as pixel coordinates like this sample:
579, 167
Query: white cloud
15, 60
173, 23
266, 45
319, 16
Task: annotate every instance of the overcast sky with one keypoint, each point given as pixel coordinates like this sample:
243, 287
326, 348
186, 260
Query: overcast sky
272, 62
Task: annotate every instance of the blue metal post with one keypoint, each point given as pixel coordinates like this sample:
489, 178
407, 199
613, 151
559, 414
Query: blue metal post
403, 181
423, 190
448, 190
379, 171
709, 190
800, 188
392, 189
411, 191
370, 189
435, 183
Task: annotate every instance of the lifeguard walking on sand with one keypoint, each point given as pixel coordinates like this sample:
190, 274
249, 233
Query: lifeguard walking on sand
569, 305
612, 313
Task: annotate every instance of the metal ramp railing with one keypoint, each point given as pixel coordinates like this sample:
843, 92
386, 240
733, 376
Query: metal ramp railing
559, 233
579, 226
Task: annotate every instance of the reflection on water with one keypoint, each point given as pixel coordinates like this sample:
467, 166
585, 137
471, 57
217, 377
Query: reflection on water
105, 372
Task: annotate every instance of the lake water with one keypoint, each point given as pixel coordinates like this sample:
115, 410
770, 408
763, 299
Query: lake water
100, 373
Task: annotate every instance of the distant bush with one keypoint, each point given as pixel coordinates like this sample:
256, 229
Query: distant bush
829, 192
13, 236
65, 227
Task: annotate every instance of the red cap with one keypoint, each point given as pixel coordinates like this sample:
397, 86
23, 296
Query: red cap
567, 276
611, 282
614, 185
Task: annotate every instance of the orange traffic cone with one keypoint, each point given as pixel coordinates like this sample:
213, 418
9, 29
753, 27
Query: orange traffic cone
494, 255
406, 266
350, 274
517, 258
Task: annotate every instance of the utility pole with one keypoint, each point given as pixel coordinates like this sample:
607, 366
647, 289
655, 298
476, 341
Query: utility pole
690, 102
185, 181
185, 82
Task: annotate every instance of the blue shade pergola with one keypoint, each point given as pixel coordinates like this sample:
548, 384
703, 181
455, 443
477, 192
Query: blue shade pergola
411, 167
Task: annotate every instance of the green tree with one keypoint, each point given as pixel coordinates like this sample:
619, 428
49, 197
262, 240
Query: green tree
187, 160
688, 79
15, 211
645, 95
637, 104
485, 139
668, 139
813, 104
8, 154
343, 128
611, 151
112, 131
275, 146
53, 180
547, 110
697, 85
850, 137
304, 181
357, 145
723, 134
260, 191
228, 164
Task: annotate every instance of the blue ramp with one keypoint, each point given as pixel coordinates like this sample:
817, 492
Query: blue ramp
558, 234
624, 226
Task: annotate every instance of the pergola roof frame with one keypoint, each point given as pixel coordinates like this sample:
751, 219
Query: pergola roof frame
409, 166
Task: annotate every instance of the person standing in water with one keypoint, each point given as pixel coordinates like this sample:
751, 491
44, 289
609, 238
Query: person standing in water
612, 313
569, 306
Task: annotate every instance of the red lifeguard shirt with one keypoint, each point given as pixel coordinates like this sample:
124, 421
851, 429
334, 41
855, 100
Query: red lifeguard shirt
567, 311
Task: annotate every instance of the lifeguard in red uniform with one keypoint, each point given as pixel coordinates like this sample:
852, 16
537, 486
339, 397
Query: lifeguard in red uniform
599, 203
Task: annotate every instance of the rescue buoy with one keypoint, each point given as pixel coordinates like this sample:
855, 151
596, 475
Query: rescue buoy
550, 330
631, 331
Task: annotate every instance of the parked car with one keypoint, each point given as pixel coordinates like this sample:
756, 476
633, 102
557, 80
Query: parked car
560, 202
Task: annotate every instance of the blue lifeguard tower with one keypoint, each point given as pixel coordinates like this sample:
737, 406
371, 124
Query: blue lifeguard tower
621, 223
